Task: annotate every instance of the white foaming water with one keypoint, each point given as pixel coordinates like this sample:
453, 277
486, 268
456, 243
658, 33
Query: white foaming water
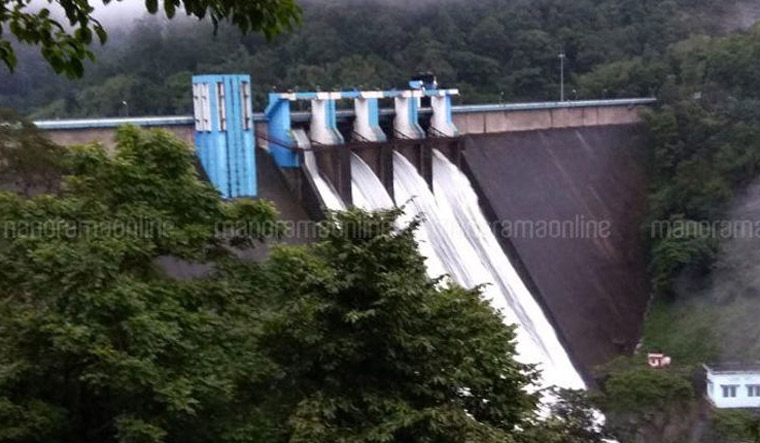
456, 239
330, 198
370, 194
447, 240
367, 191
463, 262
454, 192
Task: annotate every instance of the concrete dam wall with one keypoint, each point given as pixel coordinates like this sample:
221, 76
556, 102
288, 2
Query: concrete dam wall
567, 205
562, 184
479, 119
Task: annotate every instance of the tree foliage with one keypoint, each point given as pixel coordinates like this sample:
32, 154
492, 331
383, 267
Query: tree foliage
645, 404
703, 142
739, 426
29, 162
703, 153
64, 42
572, 418
371, 350
96, 343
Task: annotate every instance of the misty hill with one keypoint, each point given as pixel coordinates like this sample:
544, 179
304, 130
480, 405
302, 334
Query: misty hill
496, 50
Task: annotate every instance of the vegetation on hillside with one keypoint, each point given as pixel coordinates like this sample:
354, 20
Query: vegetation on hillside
496, 50
704, 152
29, 161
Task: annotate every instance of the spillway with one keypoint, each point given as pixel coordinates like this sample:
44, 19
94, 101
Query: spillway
370, 194
439, 226
454, 190
329, 196
456, 239
367, 191
469, 252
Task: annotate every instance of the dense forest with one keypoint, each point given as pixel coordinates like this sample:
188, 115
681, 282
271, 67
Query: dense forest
495, 50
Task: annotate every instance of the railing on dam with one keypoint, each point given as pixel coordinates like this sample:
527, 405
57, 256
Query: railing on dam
505, 107
187, 120
93, 123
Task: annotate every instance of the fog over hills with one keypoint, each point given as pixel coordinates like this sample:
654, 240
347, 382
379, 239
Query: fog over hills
735, 286
743, 14
717, 312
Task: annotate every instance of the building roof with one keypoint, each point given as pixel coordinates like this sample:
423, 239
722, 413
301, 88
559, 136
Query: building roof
733, 367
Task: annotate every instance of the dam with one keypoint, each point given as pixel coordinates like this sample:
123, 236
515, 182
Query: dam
491, 181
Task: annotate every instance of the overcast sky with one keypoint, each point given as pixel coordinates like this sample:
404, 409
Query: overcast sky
115, 13
119, 12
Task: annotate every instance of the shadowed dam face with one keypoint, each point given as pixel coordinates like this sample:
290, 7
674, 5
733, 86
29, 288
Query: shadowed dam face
567, 204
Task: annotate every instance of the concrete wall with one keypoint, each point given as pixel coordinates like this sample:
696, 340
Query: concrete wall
106, 135
492, 122
567, 205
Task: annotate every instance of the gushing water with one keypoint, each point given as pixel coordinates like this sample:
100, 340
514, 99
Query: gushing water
440, 226
467, 260
367, 191
454, 191
456, 239
370, 194
330, 198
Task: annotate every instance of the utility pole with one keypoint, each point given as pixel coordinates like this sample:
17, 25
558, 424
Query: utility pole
562, 77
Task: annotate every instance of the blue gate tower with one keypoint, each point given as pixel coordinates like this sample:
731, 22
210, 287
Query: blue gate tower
224, 133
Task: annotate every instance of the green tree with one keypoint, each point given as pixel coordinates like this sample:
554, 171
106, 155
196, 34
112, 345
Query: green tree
571, 418
498, 49
29, 162
737, 426
96, 343
642, 402
371, 350
65, 45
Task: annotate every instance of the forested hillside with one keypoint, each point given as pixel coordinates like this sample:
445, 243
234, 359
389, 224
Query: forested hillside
702, 230
495, 50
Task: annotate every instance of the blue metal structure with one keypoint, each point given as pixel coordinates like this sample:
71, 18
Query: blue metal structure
224, 133
281, 141
324, 117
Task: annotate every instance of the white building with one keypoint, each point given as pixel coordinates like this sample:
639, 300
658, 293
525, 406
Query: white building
733, 385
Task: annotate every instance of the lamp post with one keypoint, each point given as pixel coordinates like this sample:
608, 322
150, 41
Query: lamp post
126, 108
562, 77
